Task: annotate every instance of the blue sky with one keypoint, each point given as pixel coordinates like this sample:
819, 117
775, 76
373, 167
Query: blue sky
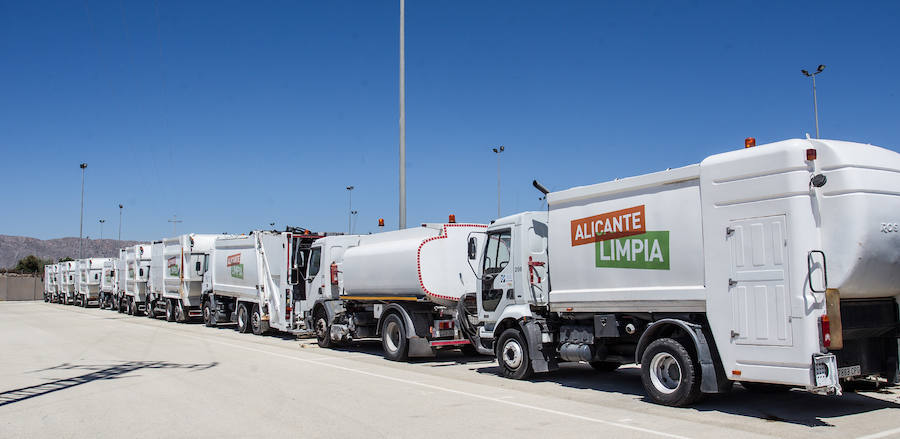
236, 114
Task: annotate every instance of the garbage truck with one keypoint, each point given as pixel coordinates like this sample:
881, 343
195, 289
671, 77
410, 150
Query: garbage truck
69, 272
108, 283
121, 277
90, 271
155, 283
137, 274
774, 265
179, 274
402, 286
50, 282
254, 280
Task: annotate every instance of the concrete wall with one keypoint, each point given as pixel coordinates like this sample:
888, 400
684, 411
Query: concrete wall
21, 287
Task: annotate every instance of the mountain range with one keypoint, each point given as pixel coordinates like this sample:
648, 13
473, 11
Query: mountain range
13, 248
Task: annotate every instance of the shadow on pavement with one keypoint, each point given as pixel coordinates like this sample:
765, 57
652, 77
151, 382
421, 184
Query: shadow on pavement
97, 372
795, 407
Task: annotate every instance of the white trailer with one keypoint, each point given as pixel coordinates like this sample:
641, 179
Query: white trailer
137, 274
90, 271
254, 280
183, 261
402, 286
69, 273
108, 283
776, 265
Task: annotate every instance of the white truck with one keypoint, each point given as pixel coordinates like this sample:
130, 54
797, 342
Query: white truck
121, 269
90, 271
402, 286
254, 280
137, 273
108, 283
183, 260
69, 272
775, 265
50, 282
155, 282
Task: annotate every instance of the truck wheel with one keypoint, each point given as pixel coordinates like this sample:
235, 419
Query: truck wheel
393, 338
512, 354
605, 366
243, 319
323, 330
129, 307
670, 374
150, 309
256, 322
207, 314
170, 310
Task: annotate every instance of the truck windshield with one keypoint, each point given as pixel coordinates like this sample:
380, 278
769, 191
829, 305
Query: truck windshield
315, 257
496, 257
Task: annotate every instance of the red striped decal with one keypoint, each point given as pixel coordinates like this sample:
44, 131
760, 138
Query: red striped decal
419, 259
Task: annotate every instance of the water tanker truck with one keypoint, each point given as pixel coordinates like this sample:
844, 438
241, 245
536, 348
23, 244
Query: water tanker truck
254, 280
775, 265
137, 274
402, 286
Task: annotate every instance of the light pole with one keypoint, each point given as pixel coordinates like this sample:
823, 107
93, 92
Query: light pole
101, 230
175, 222
350, 208
815, 99
352, 214
81, 221
272, 225
402, 222
120, 225
498, 151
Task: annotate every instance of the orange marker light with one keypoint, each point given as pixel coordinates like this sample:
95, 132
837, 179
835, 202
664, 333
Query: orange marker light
380, 222
452, 219
749, 142
810, 154
736, 373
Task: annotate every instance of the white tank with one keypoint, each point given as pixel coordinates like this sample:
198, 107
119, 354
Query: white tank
426, 263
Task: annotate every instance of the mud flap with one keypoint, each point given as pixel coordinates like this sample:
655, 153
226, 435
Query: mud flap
540, 360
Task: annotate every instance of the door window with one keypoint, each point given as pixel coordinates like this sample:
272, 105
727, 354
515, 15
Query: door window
315, 261
496, 258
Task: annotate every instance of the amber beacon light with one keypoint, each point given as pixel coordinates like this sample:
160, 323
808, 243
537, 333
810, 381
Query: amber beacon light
749, 142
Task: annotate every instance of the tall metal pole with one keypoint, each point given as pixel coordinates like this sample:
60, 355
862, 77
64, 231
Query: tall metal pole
175, 222
120, 225
81, 221
497, 151
402, 222
349, 208
101, 230
816, 105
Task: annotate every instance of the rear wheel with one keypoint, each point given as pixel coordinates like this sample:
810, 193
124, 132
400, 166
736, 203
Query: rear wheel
323, 329
151, 309
243, 318
256, 322
207, 314
512, 354
129, 307
170, 310
393, 338
670, 373
605, 366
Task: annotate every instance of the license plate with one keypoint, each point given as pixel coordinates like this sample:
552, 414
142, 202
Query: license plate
849, 371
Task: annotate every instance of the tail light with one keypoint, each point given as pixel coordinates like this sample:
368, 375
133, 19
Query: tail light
334, 274
826, 331
445, 324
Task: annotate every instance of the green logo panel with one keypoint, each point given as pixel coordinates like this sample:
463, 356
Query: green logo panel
237, 271
648, 251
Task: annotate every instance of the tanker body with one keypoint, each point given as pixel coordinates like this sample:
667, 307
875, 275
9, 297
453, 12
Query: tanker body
777, 265
90, 271
107, 283
137, 274
254, 280
403, 286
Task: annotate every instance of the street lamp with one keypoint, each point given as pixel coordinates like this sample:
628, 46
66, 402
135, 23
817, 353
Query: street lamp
498, 151
175, 222
402, 222
101, 230
352, 214
815, 100
81, 221
120, 225
350, 208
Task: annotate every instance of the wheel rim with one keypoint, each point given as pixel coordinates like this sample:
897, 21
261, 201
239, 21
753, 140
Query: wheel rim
206, 314
665, 372
321, 328
392, 336
512, 354
254, 320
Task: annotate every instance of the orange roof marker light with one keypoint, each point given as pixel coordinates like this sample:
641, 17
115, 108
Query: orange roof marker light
452, 219
380, 222
749, 142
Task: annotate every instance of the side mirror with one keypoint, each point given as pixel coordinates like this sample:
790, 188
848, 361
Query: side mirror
473, 248
198, 267
295, 276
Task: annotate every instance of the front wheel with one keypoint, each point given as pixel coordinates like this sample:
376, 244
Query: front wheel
670, 374
512, 354
323, 330
259, 326
393, 338
170, 310
207, 314
150, 309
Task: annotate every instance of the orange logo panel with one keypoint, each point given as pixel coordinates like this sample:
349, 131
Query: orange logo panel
610, 225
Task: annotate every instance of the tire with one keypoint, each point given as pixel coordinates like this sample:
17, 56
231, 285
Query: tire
323, 329
393, 338
256, 323
207, 313
150, 309
84, 301
670, 373
243, 319
512, 355
170, 310
129, 307
605, 366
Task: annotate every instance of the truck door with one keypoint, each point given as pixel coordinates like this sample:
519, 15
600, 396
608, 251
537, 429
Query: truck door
497, 289
758, 286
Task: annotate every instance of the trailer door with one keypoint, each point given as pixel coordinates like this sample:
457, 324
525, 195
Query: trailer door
758, 283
